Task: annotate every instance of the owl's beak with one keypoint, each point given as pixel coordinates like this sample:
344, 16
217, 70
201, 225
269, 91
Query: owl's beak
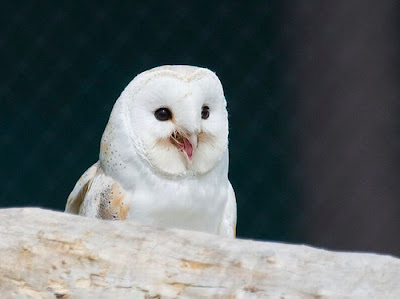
185, 142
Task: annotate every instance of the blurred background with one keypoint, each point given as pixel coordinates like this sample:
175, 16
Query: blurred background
312, 88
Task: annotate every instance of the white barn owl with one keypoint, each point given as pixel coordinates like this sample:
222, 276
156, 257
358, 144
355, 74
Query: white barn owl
163, 155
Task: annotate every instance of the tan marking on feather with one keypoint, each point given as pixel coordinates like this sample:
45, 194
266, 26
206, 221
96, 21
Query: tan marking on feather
111, 204
105, 149
205, 137
103, 146
117, 197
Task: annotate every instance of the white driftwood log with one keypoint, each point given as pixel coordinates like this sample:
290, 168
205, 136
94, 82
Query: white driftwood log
46, 254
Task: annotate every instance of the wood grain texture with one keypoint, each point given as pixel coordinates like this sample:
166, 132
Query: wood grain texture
46, 254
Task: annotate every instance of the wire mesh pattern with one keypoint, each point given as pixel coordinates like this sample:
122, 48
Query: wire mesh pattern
64, 66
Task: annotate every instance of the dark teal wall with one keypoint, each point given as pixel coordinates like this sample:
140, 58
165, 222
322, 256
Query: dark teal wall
64, 65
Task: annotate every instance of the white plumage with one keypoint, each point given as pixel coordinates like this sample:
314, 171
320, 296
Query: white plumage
164, 155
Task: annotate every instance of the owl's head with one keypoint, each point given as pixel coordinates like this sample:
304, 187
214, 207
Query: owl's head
176, 119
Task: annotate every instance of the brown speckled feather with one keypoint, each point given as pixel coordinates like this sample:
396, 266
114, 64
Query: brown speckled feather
97, 195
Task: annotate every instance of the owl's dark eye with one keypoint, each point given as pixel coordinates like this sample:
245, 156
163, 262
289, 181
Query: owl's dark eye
205, 112
163, 114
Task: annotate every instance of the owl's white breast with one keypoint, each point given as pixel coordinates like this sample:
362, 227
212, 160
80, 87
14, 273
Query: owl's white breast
195, 203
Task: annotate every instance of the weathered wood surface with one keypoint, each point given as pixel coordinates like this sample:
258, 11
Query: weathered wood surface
46, 254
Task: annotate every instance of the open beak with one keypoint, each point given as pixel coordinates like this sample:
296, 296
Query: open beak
185, 142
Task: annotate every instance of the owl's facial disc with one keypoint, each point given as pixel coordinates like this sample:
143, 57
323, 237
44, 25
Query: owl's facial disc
177, 120
186, 143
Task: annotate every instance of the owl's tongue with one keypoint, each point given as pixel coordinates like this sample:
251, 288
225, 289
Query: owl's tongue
187, 147
186, 143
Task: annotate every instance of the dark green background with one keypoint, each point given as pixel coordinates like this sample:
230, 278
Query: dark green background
63, 65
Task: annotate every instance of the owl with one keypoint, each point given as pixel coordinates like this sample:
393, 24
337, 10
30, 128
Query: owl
163, 155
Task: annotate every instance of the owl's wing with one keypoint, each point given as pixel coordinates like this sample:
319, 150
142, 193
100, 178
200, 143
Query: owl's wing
228, 223
97, 195
82, 186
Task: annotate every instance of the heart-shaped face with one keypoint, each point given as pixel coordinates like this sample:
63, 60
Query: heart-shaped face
176, 119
